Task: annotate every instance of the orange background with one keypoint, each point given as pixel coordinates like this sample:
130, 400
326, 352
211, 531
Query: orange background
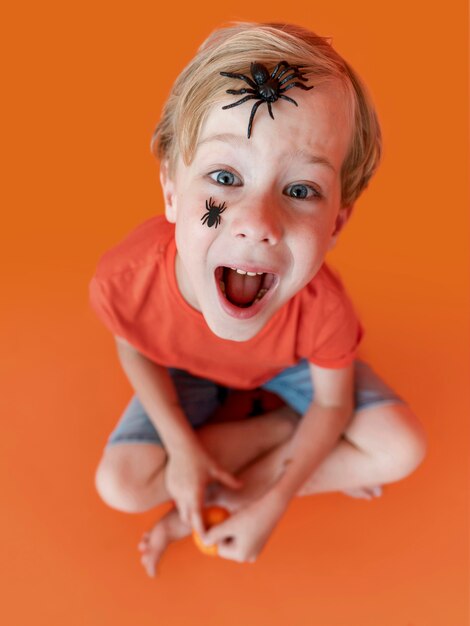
83, 87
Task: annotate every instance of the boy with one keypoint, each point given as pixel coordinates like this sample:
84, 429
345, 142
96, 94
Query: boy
266, 141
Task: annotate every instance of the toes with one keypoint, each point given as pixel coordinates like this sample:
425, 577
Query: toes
144, 542
358, 493
149, 565
366, 493
374, 492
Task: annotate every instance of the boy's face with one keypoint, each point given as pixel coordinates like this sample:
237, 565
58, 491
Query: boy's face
282, 192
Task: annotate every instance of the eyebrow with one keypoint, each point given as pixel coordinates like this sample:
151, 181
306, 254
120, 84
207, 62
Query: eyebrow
239, 140
312, 158
226, 137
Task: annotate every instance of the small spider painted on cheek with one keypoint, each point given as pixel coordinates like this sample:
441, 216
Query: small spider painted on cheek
212, 217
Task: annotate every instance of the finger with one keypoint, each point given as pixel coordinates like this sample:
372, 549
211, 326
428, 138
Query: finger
234, 553
227, 551
195, 513
197, 523
227, 479
183, 513
218, 534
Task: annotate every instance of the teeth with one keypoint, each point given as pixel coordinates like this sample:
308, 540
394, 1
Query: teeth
261, 293
242, 272
222, 286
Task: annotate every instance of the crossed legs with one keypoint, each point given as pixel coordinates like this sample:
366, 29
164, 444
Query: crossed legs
131, 476
382, 444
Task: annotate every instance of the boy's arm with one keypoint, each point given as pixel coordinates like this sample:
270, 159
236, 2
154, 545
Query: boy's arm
156, 391
189, 467
320, 428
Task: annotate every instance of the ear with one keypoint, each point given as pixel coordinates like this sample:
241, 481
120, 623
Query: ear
341, 219
169, 192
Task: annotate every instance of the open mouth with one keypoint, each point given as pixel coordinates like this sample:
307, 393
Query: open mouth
241, 288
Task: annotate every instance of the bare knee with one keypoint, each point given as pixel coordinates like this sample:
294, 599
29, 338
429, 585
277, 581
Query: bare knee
408, 443
123, 473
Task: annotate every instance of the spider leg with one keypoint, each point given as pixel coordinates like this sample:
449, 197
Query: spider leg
289, 99
270, 110
204, 218
295, 85
234, 104
237, 92
288, 69
281, 64
294, 75
241, 77
253, 111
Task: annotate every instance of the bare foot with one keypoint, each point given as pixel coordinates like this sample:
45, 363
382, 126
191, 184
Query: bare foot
364, 492
223, 496
154, 542
234, 499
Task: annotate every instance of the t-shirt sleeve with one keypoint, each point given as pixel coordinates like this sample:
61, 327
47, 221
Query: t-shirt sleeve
101, 305
126, 302
332, 330
122, 290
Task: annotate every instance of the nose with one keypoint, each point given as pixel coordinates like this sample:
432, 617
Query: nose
258, 220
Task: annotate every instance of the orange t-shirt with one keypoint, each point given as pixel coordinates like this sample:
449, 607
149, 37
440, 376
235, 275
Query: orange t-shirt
135, 293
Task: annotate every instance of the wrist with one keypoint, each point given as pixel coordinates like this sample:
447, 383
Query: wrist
279, 497
184, 445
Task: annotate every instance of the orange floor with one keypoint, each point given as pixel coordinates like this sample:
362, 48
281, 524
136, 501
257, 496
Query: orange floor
83, 87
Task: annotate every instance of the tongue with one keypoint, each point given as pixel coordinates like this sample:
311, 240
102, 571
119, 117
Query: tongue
241, 289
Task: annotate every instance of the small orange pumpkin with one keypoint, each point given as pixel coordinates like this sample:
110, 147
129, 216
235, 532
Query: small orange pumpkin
211, 516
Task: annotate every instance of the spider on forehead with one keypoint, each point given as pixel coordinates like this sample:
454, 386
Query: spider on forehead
265, 87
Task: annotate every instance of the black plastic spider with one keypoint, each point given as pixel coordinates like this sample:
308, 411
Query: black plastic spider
213, 213
266, 88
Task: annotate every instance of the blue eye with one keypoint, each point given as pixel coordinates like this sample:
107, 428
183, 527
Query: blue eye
302, 192
223, 177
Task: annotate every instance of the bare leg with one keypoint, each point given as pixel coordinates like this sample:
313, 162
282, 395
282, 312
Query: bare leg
131, 477
258, 476
345, 468
382, 444
234, 444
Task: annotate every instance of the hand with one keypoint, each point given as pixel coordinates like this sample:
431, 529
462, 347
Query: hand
243, 535
187, 473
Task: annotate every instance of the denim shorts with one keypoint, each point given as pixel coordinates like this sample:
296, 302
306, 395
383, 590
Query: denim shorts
200, 398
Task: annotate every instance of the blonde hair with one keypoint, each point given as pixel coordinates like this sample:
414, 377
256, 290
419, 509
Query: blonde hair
232, 49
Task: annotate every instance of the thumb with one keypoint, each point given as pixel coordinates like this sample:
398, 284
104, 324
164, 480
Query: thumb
214, 534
